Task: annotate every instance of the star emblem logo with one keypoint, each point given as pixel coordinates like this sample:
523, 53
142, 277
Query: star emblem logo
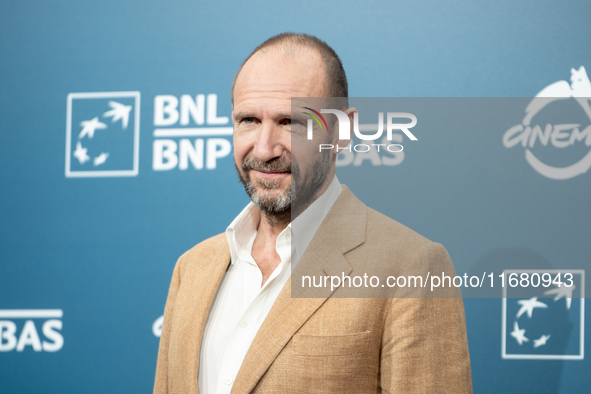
102, 134
544, 319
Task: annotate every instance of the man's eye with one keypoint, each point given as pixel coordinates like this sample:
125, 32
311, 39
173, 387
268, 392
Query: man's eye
248, 120
292, 122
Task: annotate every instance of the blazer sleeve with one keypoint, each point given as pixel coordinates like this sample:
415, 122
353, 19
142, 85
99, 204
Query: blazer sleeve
161, 381
424, 343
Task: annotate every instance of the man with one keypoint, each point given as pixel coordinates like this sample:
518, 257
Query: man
231, 323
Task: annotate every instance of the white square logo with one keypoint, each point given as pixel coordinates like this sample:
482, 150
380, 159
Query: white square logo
102, 134
543, 314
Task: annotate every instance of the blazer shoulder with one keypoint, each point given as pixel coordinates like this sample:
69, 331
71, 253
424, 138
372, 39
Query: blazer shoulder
204, 251
381, 228
393, 245
381, 232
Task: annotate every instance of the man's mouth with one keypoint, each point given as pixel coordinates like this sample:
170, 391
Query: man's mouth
270, 174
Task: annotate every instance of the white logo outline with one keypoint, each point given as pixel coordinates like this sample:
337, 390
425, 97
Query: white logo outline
580, 356
136, 143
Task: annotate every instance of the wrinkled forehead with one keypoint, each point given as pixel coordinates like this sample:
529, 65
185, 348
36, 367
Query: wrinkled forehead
278, 76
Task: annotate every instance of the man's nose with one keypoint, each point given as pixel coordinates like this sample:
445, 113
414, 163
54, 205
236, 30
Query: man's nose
268, 143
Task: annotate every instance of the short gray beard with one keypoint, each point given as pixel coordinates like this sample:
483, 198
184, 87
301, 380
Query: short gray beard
273, 206
296, 198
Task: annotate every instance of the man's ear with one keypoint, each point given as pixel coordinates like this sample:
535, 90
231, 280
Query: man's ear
342, 143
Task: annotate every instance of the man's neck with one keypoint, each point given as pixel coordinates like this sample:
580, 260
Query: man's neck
264, 250
270, 228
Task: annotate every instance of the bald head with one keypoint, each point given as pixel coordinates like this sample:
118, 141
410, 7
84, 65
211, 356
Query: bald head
321, 56
274, 74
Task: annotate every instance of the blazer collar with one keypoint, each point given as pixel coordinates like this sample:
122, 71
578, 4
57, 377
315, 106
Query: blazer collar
342, 230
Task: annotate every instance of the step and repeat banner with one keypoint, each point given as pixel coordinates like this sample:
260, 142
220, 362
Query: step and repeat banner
116, 157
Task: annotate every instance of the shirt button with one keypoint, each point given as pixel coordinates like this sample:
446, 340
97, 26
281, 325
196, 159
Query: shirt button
228, 380
243, 324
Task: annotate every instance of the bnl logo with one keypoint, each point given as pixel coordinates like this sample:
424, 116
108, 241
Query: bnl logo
543, 315
102, 134
19, 330
177, 124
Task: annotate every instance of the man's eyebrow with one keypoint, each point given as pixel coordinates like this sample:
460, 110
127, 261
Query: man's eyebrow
288, 115
285, 115
239, 115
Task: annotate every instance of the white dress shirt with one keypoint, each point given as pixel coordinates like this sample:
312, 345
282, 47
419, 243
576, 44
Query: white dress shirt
241, 305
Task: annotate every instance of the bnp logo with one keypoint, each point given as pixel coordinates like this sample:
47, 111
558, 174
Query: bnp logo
102, 134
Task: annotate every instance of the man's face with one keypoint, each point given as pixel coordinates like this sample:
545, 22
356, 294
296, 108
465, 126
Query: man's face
272, 176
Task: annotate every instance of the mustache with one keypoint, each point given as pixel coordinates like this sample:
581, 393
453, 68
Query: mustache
278, 164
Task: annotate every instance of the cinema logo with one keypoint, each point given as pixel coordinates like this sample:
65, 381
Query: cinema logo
345, 130
19, 329
558, 136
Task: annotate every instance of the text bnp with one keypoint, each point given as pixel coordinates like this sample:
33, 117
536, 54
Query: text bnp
178, 121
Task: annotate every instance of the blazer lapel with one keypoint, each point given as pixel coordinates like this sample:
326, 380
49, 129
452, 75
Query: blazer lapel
200, 283
342, 230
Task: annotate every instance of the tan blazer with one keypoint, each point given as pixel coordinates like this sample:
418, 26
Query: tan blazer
327, 345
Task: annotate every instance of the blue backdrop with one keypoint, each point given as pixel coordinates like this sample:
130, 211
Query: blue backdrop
92, 222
